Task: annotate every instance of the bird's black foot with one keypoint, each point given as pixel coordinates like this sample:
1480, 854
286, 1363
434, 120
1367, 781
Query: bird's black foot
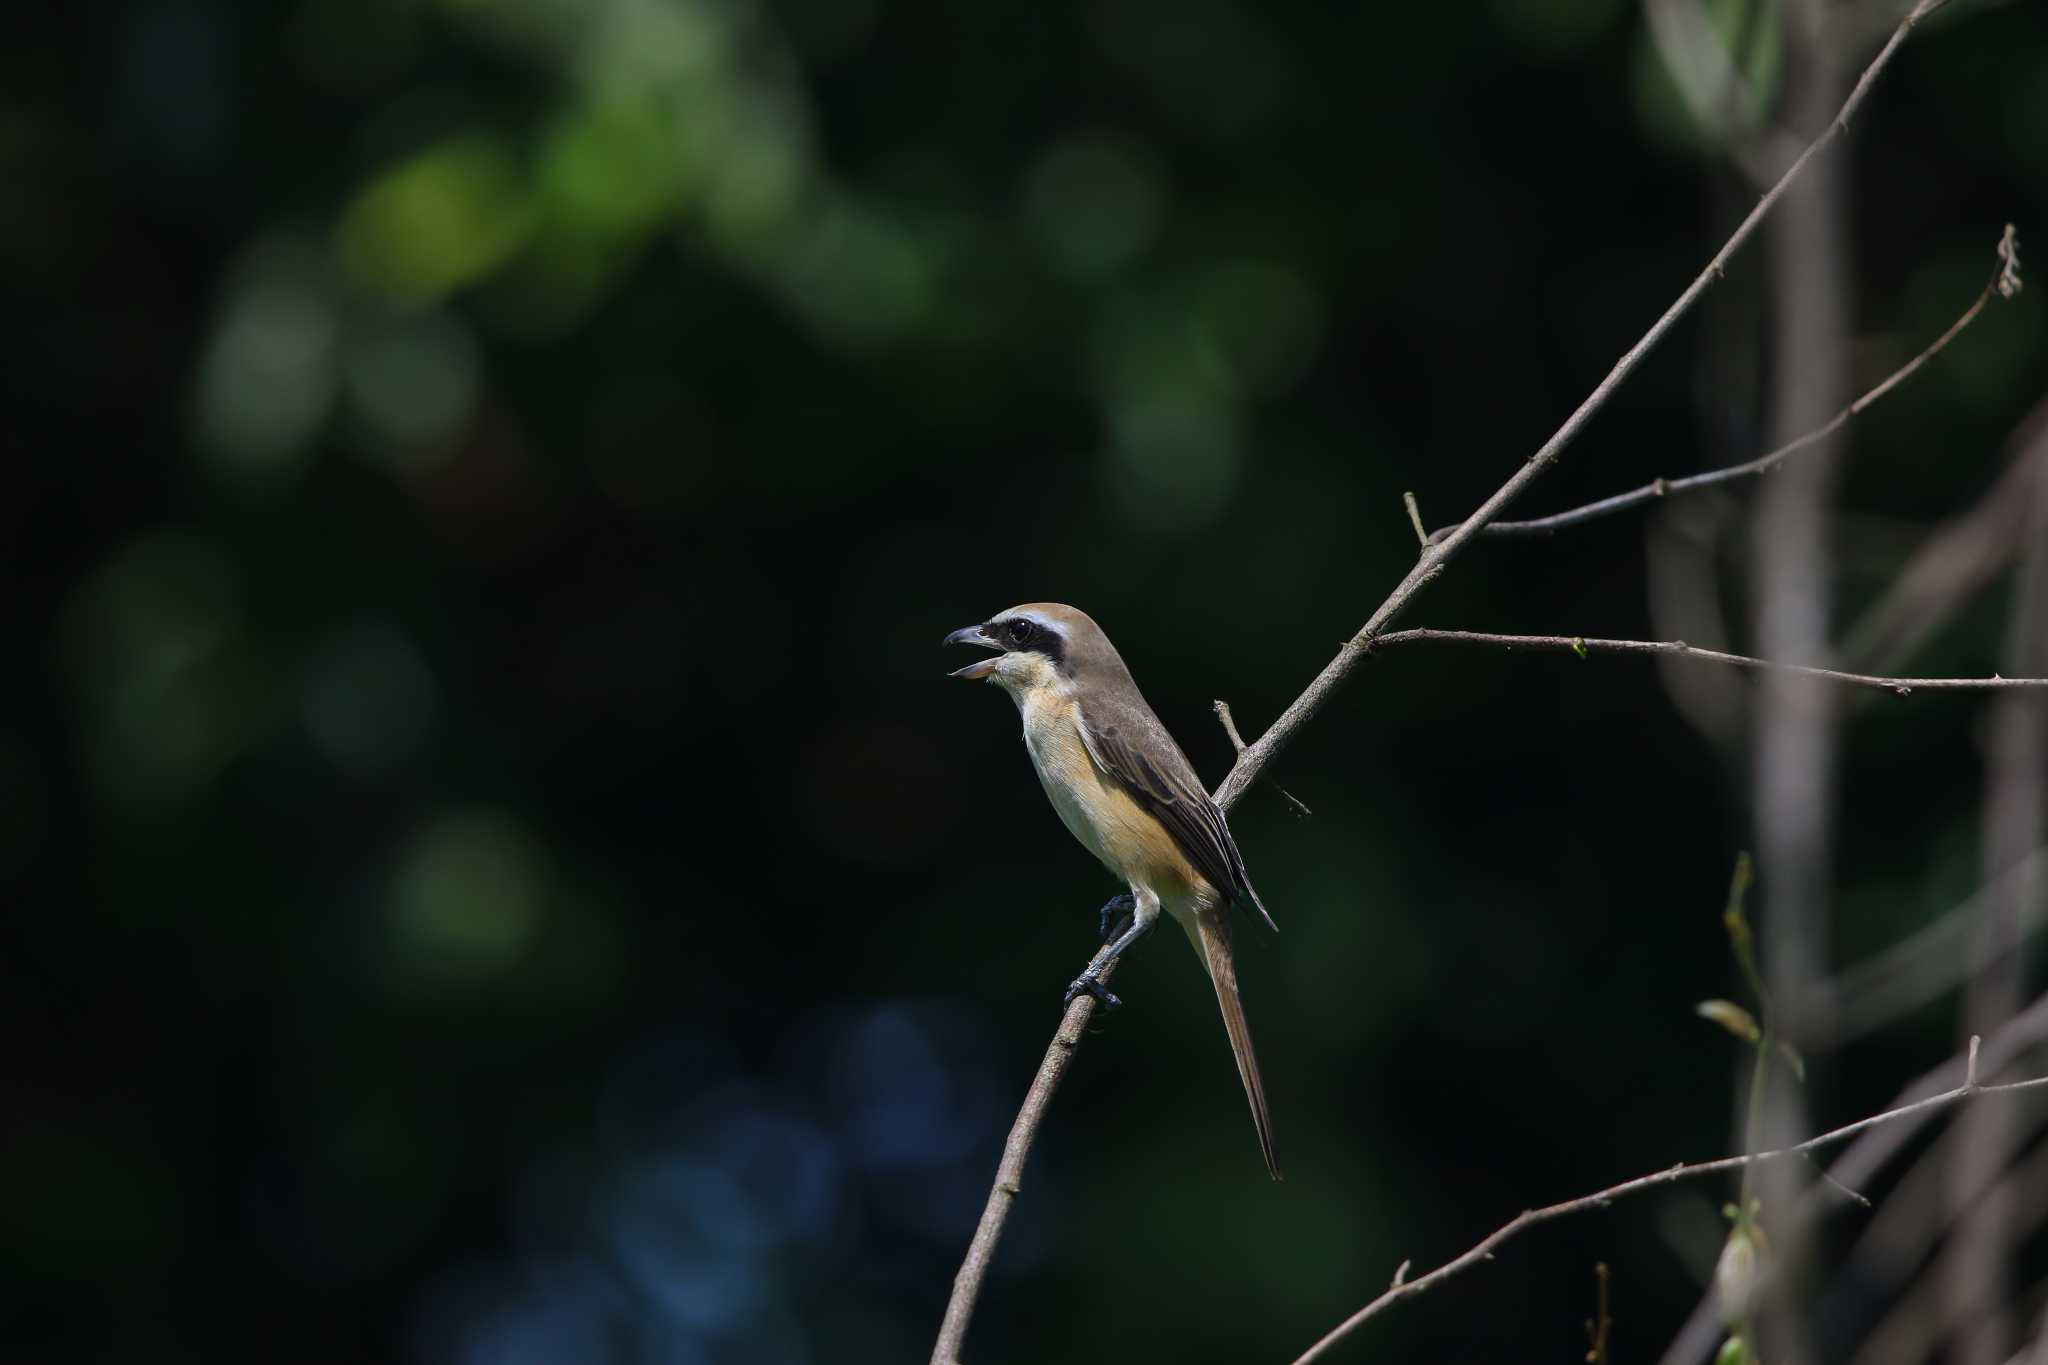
1116, 909
1088, 984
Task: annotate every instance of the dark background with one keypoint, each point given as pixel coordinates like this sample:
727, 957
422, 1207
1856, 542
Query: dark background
495, 870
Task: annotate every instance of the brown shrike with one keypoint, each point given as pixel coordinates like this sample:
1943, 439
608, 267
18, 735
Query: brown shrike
1127, 792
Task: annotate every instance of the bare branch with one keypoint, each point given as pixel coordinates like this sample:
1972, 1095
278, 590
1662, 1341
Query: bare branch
1432, 561
2004, 282
1229, 724
1584, 646
1428, 565
1237, 743
1873, 1148
1010, 1170
1936, 1315
1827, 1177
1599, 1327
1601, 1198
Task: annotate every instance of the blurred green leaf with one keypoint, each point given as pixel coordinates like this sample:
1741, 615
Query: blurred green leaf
1730, 1016
1097, 202
439, 220
468, 900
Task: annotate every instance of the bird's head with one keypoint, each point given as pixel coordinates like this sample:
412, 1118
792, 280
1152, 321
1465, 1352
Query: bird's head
1036, 646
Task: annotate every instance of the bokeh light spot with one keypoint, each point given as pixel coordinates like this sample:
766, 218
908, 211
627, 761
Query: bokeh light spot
366, 698
1173, 462
655, 1233
469, 898
643, 45
1097, 202
761, 144
442, 219
906, 1101
552, 1309
856, 276
611, 168
1265, 318
1139, 348
412, 381
151, 642
268, 377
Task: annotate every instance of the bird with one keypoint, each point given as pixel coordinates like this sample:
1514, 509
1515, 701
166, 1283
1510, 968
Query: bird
1125, 790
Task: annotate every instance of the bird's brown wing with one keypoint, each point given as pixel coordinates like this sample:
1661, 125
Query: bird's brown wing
1134, 750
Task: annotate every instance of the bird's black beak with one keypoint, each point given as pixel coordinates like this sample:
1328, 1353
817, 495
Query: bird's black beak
980, 668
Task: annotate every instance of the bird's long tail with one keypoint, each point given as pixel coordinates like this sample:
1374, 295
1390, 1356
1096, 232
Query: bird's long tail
1211, 935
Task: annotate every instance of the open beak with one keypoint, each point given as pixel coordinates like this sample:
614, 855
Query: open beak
980, 668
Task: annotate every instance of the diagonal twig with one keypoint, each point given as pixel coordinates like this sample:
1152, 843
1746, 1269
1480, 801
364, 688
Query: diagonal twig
1433, 560
1016, 1151
1484, 1249
2004, 283
1873, 1148
1237, 743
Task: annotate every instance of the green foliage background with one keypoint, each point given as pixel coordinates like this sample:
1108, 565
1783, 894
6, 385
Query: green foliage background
496, 873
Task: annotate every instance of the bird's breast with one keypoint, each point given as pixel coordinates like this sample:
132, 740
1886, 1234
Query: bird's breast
1127, 839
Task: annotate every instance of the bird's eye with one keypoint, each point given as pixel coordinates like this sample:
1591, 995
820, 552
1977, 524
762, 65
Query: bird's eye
1023, 631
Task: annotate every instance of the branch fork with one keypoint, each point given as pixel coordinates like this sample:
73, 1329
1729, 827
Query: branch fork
1436, 553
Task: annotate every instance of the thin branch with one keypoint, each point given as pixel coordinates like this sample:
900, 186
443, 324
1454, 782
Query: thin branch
1827, 1177
1584, 646
1428, 565
1432, 561
1484, 1250
1229, 724
2004, 282
1868, 1154
1932, 1316
1010, 1170
1598, 1328
1415, 519
1237, 743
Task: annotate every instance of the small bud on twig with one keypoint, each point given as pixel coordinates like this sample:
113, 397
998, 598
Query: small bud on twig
1735, 1274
